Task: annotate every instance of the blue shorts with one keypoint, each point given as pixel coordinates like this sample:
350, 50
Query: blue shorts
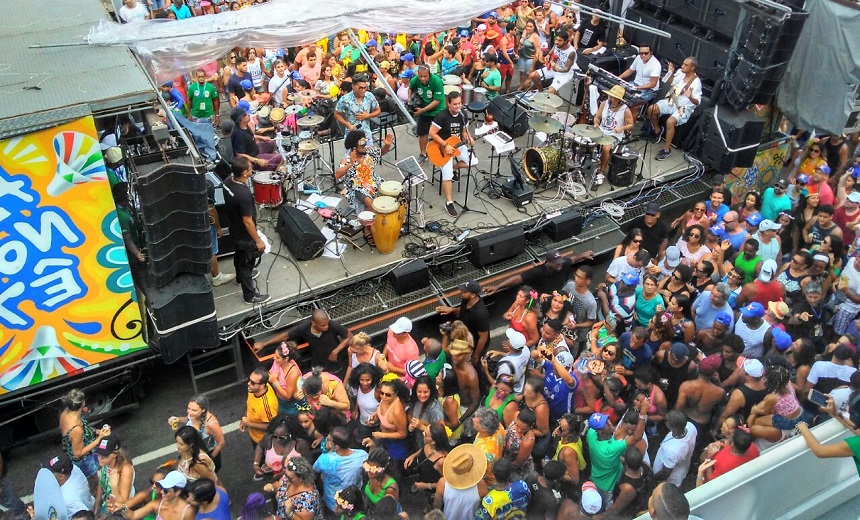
214, 233
157, 5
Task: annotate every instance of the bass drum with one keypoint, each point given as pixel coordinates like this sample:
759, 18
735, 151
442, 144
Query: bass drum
622, 167
542, 163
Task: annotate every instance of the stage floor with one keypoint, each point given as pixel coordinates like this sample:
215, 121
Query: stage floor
353, 288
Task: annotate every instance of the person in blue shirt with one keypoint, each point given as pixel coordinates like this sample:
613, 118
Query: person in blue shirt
505, 499
715, 208
637, 352
173, 96
340, 467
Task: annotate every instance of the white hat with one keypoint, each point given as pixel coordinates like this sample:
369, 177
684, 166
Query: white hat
854, 197
517, 339
565, 358
174, 479
768, 270
591, 499
673, 256
482, 27
403, 324
753, 367
769, 225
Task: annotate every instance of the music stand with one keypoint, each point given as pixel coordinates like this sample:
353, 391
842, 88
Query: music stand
465, 204
412, 175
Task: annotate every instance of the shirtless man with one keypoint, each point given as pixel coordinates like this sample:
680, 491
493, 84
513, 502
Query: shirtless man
467, 380
709, 340
699, 398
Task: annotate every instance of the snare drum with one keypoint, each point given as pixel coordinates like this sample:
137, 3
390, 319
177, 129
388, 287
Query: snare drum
304, 135
267, 189
467, 93
451, 79
480, 94
386, 225
365, 218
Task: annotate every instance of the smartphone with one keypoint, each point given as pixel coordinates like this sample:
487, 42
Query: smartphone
817, 397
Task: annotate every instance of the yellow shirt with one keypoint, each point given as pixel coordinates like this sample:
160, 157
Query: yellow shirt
261, 410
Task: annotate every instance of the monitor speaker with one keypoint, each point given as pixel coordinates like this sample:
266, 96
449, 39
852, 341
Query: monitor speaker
513, 119
299, 234
496, 246
410, 277
564, 226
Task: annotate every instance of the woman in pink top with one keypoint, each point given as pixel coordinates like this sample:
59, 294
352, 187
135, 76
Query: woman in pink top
400, 347
777, 415
697, 215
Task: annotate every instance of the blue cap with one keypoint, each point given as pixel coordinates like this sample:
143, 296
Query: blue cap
854, 171
245, 105
386, 42
493, 15
754, 219
781, 339
297, 75
680, 350
823, 169
464, 33
723, 318
597, 421
630, 278
803, 178
717, 230
371, 43
407, 74
167, 84
280, 53
247, 84
753, 310
407, 57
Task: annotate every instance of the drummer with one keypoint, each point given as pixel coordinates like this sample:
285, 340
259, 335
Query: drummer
258, 149
491, 78
614, 118
358, 168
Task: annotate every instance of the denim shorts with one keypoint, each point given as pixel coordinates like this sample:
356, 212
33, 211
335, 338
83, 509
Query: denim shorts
214, 233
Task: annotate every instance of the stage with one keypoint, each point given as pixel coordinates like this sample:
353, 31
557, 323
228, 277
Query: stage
354, 289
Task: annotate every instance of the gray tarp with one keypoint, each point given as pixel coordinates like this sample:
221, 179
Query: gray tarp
175, 47
824, 67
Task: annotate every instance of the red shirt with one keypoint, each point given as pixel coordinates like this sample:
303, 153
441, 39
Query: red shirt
727, 461
841, 219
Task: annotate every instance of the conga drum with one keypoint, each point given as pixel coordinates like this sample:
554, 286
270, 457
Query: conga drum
395, 189
386, 225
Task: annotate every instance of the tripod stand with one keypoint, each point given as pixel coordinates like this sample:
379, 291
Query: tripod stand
465, 204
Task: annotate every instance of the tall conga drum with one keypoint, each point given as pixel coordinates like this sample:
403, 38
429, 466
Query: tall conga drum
386, 225
395, 189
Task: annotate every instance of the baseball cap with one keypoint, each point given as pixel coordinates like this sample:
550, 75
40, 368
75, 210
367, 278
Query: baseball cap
680, 350
591, 501
371, 43
464, 33
754, 219
717, 179
803, 178
481, 27
237, 114
565, 358
782, 183
107, 445
673, 256
768, 270
597, 421
407, 74
280, 53
652, 208
710, 364
854, 196
493, 15
403, 324
408, 57
723, 318
769, 225
753, 367
854, 171
297, 75
554, 256
247, 84
516, 338
386, 42
244, 105
471, 286
174, 479
61, 464
717, 230
167, 84
630, 278
753, 310
781, 339
823, 169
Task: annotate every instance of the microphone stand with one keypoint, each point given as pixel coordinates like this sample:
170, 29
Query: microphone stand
465, 204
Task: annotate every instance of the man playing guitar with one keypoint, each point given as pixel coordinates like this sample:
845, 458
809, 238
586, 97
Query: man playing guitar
685, 94
447, 124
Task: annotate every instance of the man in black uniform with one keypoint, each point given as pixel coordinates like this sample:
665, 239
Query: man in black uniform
473, 312
655, 232
545, 278
242, 213
327, 341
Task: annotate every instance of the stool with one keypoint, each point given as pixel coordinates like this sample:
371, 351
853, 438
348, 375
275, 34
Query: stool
477, 108
385, 121
438, 169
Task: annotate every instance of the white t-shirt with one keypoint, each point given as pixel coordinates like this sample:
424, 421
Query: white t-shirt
131, 15
563, 57
619, 266
676, 454
519, 360
646, 71
696, 86
76, 492
278, 85
850, 278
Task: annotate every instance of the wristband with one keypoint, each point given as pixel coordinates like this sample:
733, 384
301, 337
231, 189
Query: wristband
643, 417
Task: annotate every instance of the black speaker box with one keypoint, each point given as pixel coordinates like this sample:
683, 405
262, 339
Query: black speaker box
564, 226
496, 246
181, 317
645, 16
712, 59
680, 46
722, 17
740, 130
513, 119
299, 233
410, 277
691, 10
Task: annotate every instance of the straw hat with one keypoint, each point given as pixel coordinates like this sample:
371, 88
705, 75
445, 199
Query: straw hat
464, 466
617, 91
459, 346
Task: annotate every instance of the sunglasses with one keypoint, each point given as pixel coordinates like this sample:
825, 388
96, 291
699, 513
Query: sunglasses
386, 394
281, 437
255, 383
695, 236
637, 240
609, 351
646, 53
698, 209
729, 221
815, 150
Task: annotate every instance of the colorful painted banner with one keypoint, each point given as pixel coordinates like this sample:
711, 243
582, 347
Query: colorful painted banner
67, 300
763, 173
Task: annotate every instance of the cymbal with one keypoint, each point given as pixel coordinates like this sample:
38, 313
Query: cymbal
310, 121
308, 146
293, 109
308, 93
542, 107
547, 99
545, 124
605, 140
589, 131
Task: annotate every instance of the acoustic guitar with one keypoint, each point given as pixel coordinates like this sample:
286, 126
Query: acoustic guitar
436, 152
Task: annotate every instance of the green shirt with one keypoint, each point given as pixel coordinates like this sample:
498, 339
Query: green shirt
435, 367
854, 444
645, 309
434, 89
606, 466
747, 266
493, 79
200, 98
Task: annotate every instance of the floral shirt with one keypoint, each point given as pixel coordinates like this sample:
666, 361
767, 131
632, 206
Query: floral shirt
301, 501
348, 107
362, 180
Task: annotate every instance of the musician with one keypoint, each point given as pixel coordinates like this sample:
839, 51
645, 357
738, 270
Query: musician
679, 104
431, 90
613, 118
491, 78
447, 123
358, 167
647, 73
560, 65
258, 149
355, 109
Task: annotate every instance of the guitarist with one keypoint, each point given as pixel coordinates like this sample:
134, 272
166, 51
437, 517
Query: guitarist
448, 123
679, 104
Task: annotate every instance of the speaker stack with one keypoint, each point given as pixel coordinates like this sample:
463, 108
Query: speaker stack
304, 240
741, 132
174, 211
763, 47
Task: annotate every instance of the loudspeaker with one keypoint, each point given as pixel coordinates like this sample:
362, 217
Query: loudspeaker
680, 46
298, 232
496, 246
713, 58
513, 119
739, 129
174, 213
181, 317
410, 277
648, 17
564, 226
693, 11
722, 17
